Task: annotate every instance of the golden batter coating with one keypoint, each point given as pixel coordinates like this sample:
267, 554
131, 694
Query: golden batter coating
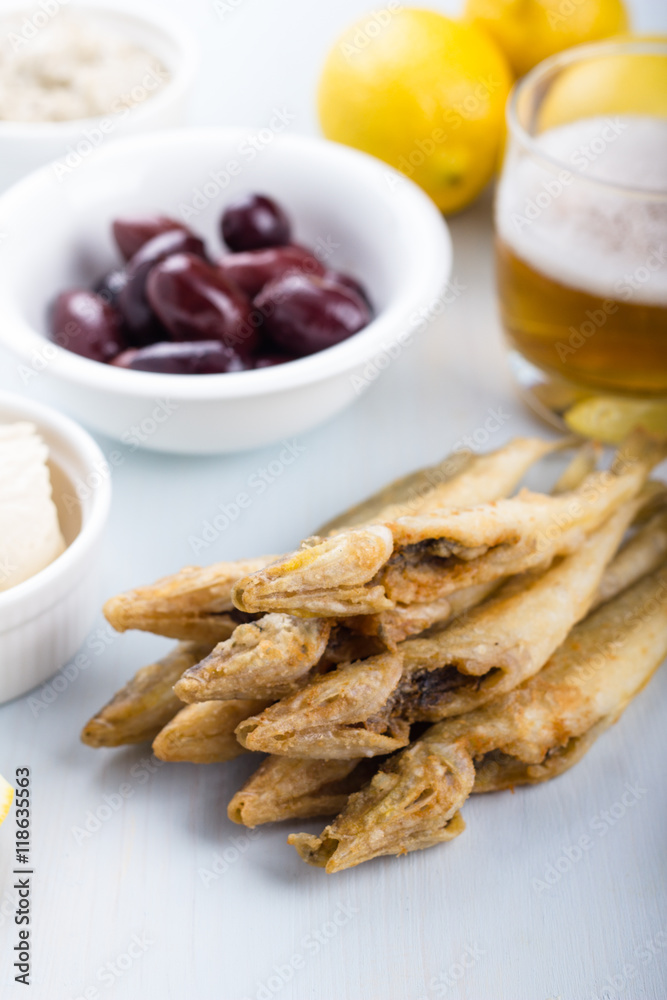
328, 711
204, 733
643, 553
289, 788
333, 571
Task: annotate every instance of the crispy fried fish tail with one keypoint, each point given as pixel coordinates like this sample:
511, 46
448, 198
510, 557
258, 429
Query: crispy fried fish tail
138, 711
642, 554
488, 477
403, 496
461, 479
204, 733
264, 659
583, 463
605, 661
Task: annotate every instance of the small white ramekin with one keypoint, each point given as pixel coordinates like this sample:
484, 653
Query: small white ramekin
45, 619
24, 146
359, 215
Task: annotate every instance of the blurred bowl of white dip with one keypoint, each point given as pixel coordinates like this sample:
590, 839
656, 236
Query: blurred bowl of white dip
73, 77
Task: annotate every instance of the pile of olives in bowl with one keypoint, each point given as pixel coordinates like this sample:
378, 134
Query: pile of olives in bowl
171, 308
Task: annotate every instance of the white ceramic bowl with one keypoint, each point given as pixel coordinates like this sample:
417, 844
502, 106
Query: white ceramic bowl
24, 146
45, 619
354, 210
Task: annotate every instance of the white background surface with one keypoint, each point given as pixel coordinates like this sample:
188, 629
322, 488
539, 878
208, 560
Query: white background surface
408, 923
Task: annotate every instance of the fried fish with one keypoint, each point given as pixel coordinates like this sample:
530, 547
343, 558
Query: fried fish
139, 710
540, 728
268, 657
204, 733
482, 654
427, 556
289, 788
194, 604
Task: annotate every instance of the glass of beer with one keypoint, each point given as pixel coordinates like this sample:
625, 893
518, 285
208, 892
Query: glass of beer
581, 236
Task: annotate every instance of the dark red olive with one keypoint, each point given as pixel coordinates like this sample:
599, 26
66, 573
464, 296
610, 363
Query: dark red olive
195, 301
307, 314
142, 323
201, 357
269, 359
252, 269
131, 232
254, 221
111, 285
84, 323
342, 278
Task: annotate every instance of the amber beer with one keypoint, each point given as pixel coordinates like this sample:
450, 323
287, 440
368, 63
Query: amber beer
582, 266
614, 343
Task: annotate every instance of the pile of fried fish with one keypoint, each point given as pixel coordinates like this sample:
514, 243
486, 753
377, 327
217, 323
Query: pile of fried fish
448, 636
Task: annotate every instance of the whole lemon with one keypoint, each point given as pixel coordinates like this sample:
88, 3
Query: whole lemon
423, 93
530, 30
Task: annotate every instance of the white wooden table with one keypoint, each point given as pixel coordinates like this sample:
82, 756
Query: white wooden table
144, 890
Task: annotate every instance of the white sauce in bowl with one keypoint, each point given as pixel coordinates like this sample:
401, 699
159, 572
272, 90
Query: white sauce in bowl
68, 69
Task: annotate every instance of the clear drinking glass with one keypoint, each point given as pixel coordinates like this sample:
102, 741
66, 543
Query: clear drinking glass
581, 227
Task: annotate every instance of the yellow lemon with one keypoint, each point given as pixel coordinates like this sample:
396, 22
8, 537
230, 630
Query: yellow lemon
611, 420
612, 85
423, 93
6, 798
530, 30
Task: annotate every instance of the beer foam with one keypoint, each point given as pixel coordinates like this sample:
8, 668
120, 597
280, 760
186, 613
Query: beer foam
593, 237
